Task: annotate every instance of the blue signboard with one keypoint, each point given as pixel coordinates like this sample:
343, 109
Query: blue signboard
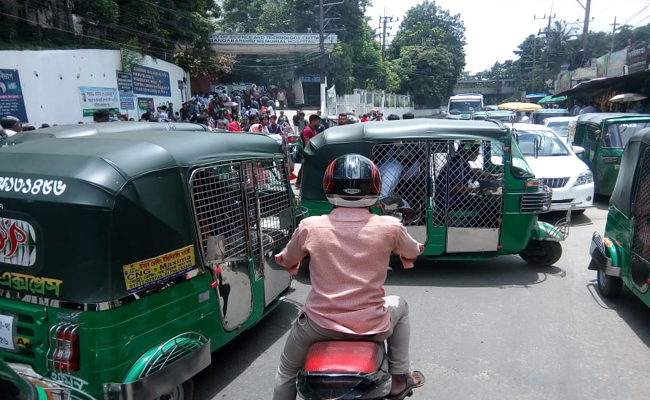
11, 95
151, 81
127, 101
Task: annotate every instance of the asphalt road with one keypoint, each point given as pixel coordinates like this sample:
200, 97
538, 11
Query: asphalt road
498, 329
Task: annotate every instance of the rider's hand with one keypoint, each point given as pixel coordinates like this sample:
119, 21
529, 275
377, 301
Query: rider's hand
279, 258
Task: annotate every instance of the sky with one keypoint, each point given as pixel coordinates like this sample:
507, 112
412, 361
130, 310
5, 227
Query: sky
494, 28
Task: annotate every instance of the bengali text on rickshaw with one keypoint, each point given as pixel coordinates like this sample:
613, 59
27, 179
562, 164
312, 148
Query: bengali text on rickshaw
147, 273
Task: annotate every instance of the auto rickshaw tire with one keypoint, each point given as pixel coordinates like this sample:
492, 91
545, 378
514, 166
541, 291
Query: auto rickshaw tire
186, 392
608, 286
552, 252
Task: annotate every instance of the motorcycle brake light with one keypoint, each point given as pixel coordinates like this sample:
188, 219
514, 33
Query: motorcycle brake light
343, 356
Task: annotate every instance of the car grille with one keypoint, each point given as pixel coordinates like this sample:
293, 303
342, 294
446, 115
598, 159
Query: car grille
554, 183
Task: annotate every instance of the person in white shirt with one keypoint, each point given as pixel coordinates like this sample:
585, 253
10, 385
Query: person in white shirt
11, 125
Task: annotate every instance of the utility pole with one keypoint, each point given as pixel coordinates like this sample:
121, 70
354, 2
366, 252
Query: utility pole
547, 41
585, 30
384, 21
323, 73
614, 29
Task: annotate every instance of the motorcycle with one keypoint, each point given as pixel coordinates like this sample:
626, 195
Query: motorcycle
346, 370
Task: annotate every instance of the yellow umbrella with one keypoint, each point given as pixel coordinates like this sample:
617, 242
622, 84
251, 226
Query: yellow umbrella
519, 106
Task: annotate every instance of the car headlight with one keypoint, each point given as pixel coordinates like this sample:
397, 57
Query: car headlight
584, 178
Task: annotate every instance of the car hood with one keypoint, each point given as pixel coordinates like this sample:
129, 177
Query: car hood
556, 166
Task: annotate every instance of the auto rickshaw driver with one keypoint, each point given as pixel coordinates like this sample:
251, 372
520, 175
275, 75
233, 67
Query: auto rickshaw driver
452, 185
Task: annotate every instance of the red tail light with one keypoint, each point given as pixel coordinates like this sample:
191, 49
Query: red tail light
66, 353
610, 160
344, 356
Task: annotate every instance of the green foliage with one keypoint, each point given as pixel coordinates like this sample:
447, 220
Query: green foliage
130, 55
428, 53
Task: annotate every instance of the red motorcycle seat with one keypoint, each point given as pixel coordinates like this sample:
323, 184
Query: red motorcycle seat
344, 356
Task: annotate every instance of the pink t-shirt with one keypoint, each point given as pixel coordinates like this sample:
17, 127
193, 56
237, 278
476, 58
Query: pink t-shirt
349, 250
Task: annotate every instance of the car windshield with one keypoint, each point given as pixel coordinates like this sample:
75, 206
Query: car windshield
463, 106
548, 144
560, 127
618, 134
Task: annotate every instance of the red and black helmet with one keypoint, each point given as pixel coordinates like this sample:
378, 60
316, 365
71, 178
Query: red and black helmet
352, 180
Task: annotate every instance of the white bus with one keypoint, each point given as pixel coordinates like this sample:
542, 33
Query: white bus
462, 105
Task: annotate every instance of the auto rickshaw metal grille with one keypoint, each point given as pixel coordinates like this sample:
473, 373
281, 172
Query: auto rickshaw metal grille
404, 177
641, 210
415, 173
219, 206
269, 199
465, 195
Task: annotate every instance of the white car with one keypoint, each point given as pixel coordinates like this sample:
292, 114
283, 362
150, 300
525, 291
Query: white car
557, 166
561, 125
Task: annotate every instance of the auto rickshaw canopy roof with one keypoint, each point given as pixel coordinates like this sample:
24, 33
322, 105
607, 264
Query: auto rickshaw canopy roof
108, 160
599, 118
625, 190
361, 137
81, 130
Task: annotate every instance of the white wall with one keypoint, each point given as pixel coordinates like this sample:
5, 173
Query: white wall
50, 81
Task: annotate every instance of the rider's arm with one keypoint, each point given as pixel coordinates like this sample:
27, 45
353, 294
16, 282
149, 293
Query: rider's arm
294, 252
407, 247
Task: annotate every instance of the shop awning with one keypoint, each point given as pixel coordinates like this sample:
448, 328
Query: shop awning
638, 82
550, 99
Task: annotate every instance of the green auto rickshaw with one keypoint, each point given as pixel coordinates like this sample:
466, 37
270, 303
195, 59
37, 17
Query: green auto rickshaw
505, 116
421, 168
538, 116
128, 257
622, 254
82, 130
603, 137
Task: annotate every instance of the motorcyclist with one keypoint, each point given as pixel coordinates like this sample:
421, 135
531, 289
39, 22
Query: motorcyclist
349, 249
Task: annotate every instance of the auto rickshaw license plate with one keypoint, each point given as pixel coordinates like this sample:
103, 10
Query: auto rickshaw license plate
8, 332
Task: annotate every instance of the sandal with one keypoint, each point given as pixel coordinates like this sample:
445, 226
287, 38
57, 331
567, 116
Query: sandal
410, 385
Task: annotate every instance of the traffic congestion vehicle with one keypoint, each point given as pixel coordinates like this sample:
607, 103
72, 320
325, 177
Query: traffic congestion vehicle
621, 256
419, 159
561, 126
128, 257
461, 106
538, 116
504, 116
603, 137
557, 166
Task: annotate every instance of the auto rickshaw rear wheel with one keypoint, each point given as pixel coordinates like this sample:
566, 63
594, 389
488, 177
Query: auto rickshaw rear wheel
608, 286
542, 252
185, 391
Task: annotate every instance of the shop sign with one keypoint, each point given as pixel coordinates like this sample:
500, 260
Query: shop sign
637, 59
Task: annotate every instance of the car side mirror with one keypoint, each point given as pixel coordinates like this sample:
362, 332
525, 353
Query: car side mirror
536, 148
578, 149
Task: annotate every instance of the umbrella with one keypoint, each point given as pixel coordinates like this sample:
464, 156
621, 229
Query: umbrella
623, 97
230, 104
551, 99
519, 106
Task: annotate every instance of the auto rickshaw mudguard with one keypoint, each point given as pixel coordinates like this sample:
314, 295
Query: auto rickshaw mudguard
545, 231
604, 255
162, 368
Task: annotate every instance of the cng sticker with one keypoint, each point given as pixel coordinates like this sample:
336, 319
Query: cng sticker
151, 272
23, 342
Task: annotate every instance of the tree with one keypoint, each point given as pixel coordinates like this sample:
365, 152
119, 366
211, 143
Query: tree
429, 50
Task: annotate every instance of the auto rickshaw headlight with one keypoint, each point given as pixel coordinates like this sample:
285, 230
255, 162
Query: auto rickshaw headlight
584, 178
532, 183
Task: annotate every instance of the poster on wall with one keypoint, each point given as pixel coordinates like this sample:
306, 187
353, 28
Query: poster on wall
144, 103
11, 95
97, 98
150, 81
601, 66
616, 64
127, 102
